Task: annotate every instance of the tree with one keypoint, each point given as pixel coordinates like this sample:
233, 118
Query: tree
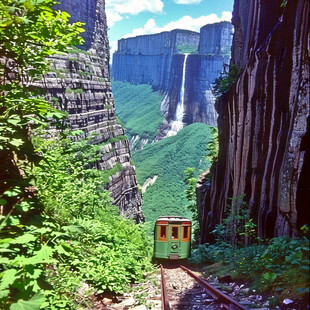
30, 31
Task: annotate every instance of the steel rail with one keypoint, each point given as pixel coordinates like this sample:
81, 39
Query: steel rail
164, 296
215, 293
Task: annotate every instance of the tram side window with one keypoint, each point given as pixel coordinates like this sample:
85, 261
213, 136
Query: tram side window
186, 230
174, 232
163, 232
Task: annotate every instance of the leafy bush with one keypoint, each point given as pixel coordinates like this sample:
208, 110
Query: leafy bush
225, 81
37, 249
106, 252
282, 263
30, 31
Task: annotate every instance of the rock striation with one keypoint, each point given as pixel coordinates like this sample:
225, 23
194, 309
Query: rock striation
264, 121
159, 60
80, 84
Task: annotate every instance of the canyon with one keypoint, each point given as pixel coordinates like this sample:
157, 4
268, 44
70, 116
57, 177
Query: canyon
182, 65
263, 120
79, 83
263, 123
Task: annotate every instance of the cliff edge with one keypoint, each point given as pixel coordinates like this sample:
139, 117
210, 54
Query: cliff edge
264, 121
80, 84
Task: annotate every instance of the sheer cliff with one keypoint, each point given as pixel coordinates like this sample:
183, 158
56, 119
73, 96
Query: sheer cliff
80, 84
160, 60
264, 121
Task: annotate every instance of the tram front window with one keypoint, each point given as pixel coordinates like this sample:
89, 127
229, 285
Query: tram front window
175, 232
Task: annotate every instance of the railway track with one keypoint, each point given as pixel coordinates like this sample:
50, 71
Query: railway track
196, 294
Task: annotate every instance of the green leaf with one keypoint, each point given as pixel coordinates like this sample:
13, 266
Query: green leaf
8, 278
14, 120
73, 229
77, 132
36, 120
24, 239
60, 250
32, 304
13, 193
43, 255
6, 251
16, 142
57, 114
4, 293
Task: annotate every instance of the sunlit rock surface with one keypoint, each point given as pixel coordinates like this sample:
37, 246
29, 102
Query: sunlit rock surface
81, 84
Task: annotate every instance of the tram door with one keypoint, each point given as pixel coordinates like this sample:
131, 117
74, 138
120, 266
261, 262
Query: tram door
174, 242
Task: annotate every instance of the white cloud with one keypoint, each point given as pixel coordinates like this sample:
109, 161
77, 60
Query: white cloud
226, 16
187, 1
117, 9
113, 17
113, 47
186, 22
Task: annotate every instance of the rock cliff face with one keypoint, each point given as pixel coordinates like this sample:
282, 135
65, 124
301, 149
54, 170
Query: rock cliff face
159, 60
264, 121
80, 81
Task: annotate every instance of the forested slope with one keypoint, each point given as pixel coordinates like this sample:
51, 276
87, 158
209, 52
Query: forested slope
168, 159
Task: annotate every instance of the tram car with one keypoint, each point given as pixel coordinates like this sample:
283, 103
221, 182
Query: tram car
172, 237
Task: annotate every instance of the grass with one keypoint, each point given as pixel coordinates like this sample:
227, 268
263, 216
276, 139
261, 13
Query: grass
138, 107
187, 49
74, 91
168, 159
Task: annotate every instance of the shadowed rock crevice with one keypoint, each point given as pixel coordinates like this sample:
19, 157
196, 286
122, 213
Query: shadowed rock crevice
263, 121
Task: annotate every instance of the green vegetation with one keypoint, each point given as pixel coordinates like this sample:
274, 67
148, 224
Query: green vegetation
168, 159
225, 81
187, 49
138, 107
190, 194
84, 73
76, 50
61, 239
278, 266
60, 72
114, 140
283, 4
74, 91
73, 59
105, 251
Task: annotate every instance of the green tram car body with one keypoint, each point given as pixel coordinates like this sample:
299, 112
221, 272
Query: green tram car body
172, 237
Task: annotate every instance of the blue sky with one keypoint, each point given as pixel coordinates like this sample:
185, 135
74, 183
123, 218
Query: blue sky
137, 17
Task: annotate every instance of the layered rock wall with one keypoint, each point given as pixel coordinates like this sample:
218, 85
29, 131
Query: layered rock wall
149, 59
159, 59
264, 121
143, 69
80, 83
157, 44
215, 39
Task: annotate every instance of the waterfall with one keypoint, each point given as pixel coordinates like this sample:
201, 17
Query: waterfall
177, 123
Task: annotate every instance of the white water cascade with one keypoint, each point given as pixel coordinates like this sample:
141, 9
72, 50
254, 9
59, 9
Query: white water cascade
177, 123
